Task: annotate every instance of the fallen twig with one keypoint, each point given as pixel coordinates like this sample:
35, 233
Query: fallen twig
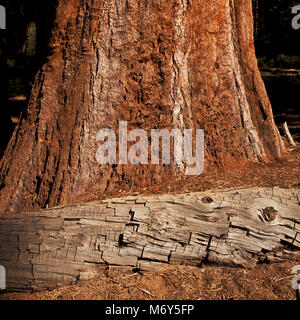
288, 134
147, 292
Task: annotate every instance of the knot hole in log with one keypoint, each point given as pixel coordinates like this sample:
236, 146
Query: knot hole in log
269, 214
207, 200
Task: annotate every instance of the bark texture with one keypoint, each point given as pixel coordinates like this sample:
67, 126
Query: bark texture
157, 64
238, 227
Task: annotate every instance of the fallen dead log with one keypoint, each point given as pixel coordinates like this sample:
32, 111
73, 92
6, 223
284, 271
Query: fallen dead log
240, 227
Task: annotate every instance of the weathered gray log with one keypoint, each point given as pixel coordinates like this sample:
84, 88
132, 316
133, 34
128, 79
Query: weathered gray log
240, 227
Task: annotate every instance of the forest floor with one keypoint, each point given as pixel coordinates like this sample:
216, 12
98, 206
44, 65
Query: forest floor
283, 172
264, 282
209, 282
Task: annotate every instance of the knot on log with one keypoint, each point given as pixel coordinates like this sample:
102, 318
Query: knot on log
269, 214
207, 200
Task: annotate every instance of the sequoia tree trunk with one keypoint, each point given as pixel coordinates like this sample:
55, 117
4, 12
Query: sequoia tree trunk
156, 64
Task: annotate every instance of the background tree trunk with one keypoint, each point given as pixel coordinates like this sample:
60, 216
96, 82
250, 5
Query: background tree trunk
157, 64
5, 119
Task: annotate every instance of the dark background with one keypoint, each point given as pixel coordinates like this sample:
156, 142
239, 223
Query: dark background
278, 51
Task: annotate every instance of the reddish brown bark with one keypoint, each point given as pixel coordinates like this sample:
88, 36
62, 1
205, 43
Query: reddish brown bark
156, 64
